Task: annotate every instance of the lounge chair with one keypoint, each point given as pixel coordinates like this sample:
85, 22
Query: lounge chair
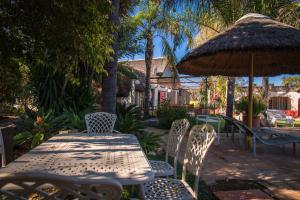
265, 136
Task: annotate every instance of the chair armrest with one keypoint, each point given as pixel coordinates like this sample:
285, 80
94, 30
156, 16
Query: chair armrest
115, 131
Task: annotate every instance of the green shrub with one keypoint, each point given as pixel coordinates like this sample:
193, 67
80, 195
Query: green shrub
37, 127
149, 141
128, 124
132, 110
72, 119
167, 114
128, 119
258, 106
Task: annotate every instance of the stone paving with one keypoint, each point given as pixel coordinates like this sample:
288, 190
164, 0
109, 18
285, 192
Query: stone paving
276, 169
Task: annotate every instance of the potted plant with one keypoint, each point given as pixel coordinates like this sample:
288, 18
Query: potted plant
258, 106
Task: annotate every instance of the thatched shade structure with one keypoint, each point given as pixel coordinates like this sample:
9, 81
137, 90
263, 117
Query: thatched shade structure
255, 45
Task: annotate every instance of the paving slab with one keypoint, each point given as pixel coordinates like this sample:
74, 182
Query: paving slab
242, 195
276, 168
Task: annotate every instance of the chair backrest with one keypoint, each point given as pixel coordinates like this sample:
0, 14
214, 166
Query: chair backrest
2, 150
200, 139
100, 122
25, 186
176, 133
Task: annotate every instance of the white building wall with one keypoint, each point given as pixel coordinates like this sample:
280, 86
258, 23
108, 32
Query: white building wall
294, 96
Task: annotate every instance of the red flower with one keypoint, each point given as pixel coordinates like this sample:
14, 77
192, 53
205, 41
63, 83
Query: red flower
38, 120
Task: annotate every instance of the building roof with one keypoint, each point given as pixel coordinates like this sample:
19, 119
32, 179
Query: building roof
161, 72
158, 65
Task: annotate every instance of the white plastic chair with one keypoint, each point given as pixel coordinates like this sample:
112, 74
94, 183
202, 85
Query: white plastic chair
201, 137
100, 122
2, 150
176, 133
39, 186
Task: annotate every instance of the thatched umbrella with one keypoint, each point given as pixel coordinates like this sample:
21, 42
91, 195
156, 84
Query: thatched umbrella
255, 45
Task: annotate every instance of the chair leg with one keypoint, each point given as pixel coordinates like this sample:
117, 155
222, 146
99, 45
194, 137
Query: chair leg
3, 160
254, 147
141, 192
294, 148
240, 138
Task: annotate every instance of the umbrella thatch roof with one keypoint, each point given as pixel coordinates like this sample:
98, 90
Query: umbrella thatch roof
275, 46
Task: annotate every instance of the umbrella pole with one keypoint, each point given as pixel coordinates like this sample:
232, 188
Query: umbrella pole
250, 93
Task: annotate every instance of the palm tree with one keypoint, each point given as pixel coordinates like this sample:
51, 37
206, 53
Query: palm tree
265, 88
153, 22
123, 45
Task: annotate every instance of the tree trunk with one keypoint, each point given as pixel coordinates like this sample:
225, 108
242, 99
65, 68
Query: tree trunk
230, 96
109, 81
265, 88
148, 62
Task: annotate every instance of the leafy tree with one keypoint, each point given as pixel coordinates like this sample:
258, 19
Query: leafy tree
74, 36
153, 22
291, 81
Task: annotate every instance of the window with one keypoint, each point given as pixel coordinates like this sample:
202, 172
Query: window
280, 103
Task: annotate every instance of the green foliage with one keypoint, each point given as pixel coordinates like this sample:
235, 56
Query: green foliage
72, 32
71, 39
124, 70
166, 114
132, 110
73, 120
128, 124
258, 106
291, 81
289, 13
37, 127
128, 119
10, 76
149, 141
54, 91
40, 126
192, 120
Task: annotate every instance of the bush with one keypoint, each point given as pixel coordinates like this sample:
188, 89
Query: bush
167, 114
37, 127
74, 120
258, 106
128, 119
149, 141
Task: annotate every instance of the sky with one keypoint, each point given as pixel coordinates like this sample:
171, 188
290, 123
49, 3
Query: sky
182, 50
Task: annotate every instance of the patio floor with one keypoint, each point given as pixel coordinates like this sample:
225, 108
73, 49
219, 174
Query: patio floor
276, 169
